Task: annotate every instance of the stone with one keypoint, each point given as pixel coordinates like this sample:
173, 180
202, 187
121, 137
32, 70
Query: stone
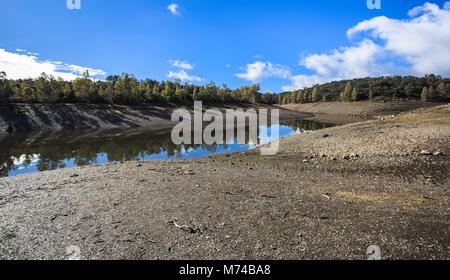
426, 153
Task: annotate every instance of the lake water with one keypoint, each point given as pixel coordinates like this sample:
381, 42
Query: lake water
25, 153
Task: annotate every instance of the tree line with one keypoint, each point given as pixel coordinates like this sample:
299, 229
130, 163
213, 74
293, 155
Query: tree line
122, 89
126, 89
427, 88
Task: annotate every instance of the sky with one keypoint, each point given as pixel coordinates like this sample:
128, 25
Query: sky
281, 45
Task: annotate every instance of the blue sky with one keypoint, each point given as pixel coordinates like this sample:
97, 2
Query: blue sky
279, 44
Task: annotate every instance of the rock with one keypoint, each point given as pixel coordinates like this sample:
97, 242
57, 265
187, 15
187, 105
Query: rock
74, 175
333, 158
138, 165
322, 155
345, 157
305, 160
437, 154
426, 153
326, 135
353, 155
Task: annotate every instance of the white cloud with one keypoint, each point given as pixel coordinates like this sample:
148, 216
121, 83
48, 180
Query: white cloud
423, 40
173, 8
20, 50
415, 46
182, 64
262, 70
183, 76
22, 66
228, 65
447, 5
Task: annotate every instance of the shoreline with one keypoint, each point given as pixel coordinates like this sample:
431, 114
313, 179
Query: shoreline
16, 118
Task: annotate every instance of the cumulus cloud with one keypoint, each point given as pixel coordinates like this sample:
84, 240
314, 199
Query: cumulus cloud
259, 71
183, 76
22, 66
182, 64
415, 46
173, 8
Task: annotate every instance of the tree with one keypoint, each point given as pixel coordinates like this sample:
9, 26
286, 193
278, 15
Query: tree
355, 96
306, 97
424, 95
294, 97
342, 96
195, 94
443, 90
27, 94
43, 89
430, 93
314, 95
285, 100
348, 91
371, 94
299, 97
68, 92
84, 90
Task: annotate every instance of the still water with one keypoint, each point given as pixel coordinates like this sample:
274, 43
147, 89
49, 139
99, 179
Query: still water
26, 153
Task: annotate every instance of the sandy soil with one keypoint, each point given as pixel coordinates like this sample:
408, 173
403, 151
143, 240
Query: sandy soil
328, 194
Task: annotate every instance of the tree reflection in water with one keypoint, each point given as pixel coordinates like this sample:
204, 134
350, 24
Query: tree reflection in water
24, 153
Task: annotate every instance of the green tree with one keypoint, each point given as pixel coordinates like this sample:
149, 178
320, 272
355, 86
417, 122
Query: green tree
84, 90
28, 95
424, 95
299, 97
43, 89
355, 96
315, 95
68, 92
371, 94
431, 93
348, 91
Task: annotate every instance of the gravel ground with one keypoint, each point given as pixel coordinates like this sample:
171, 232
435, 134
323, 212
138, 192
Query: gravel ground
328, 194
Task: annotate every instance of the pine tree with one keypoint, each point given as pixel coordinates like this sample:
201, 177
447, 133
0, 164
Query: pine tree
306, 97
68, 92
314, 95
370, 94
348, 91
355, 94
430, 93
28, 95
299, 96
424, 95
280, 101
195, 94
342, 96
